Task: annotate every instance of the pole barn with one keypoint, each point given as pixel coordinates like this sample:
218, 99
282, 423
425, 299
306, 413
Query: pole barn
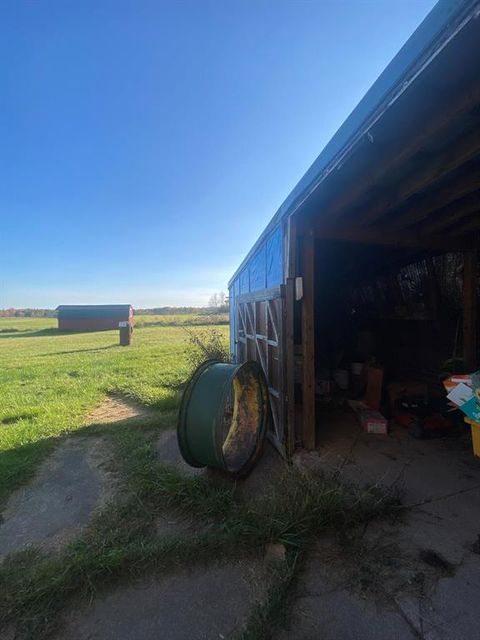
379, 237
93, 317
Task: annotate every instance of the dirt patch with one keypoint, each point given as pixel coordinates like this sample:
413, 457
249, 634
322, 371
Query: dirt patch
116, 409
73, 482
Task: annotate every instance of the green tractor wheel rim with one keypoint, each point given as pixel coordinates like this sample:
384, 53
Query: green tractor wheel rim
223, 416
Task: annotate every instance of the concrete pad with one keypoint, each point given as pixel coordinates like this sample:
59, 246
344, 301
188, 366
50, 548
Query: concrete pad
451, 612
264, 476
60, 500
342, 615
450, 526
204, 603
431, 573
168, 451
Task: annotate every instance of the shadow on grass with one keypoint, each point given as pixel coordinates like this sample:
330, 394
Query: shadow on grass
62, 353
25, 333
50, 331
20, 464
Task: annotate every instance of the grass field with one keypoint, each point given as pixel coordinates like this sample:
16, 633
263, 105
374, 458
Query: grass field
50, 381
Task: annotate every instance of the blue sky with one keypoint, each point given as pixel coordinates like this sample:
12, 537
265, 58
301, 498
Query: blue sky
146, 144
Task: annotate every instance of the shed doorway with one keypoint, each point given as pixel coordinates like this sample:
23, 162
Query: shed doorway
387, 325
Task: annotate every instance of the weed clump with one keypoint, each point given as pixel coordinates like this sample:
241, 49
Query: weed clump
205, 344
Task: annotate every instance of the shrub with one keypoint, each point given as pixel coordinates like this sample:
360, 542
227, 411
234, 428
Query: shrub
205, 344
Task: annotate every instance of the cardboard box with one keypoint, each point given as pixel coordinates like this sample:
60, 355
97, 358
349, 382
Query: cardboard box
373, 422
464, 394
373, 396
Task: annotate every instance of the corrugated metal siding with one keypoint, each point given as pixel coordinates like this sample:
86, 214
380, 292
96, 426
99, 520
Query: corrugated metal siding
88, 324
120, 311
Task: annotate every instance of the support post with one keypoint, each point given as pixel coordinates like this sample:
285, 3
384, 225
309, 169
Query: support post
470, 309
290, 366
308, 341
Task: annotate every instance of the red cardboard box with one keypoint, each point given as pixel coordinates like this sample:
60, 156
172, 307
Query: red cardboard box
373, 422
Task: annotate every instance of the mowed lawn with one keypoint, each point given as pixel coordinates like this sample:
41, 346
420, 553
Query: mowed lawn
50, 381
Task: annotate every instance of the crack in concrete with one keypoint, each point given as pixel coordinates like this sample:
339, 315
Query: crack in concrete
439, 498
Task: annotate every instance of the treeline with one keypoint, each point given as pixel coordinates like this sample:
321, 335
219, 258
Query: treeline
176, 311
156, 311
27, 313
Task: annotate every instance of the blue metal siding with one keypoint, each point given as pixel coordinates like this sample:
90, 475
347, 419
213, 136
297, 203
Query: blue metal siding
263, 270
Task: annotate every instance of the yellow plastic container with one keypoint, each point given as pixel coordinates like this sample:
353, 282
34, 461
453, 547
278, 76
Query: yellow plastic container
475, 427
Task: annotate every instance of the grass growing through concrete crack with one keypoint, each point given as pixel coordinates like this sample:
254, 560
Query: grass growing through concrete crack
122, 541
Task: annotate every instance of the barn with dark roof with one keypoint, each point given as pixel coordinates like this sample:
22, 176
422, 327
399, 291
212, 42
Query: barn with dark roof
97, 317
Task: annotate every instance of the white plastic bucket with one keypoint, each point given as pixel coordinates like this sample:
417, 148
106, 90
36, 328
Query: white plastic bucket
341, 378
357, 368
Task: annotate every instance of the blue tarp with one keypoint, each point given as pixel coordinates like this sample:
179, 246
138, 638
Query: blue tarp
274, 251
257, 268
265, 267
262, 271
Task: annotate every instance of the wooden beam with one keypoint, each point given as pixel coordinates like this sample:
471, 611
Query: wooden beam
417, 140
470, 226
449, 192
291, 248
470, 310
450, 215
398, 240
308, 341
432, 168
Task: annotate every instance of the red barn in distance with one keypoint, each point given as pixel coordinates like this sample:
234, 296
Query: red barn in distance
95, 317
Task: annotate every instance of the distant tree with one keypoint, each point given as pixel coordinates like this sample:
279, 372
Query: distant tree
214, 301
218, 303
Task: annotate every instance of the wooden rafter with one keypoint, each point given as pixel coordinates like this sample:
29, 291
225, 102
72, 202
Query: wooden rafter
449, 192
469, 226
450, 215
429, 170
397, 240
436, 127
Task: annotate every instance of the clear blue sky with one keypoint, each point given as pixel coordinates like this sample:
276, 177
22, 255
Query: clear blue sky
146, 144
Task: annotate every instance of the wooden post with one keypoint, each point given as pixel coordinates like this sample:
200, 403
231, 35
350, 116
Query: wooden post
290, 366
470, 309
308, 341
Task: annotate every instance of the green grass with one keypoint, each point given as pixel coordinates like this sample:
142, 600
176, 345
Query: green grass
49, 381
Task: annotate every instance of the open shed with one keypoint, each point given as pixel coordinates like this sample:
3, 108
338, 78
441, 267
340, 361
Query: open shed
374, 254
